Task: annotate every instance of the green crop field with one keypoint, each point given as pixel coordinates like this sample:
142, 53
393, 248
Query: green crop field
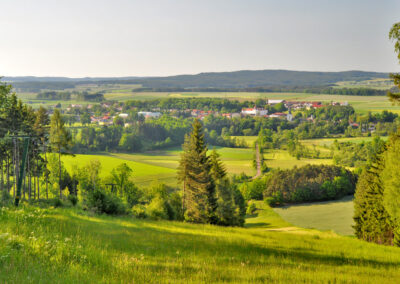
143, 174
329, 215
71, 246
329, 141
161, 165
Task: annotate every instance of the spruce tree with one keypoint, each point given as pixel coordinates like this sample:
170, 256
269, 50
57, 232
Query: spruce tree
391, 183
229, 211
372, 221
60, 139
199, 196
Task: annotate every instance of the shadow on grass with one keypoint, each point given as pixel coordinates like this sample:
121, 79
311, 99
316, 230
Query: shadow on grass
157, 239
257, 225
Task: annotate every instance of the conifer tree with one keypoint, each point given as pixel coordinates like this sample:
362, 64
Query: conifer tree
229, 211
391, 183
199, 198
372, 221
60, 139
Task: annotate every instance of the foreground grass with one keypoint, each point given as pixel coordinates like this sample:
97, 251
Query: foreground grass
69, 246
329, 215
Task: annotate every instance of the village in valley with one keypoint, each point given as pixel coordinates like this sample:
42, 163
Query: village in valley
106, 112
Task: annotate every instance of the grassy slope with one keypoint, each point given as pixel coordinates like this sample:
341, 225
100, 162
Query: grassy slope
63, 245
330, 215
143, 173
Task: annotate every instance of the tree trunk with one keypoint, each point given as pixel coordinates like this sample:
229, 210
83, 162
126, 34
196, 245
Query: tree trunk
34, 183
46, 175
25, 186
29, 180
2, 175
8, 173
14, 160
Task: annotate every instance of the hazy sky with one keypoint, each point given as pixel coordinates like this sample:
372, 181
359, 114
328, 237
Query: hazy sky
142, 38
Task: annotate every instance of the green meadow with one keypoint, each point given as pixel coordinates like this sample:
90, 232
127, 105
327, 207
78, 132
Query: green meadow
73, 246
161, 165
329, 215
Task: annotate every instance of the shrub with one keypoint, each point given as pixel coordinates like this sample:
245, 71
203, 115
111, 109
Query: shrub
251, 208
73, 199
139, 211
157, 209
56, 202
5, 198
103, 202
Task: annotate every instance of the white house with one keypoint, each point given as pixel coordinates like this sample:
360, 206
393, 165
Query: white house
254, 111
149, 114
123, 115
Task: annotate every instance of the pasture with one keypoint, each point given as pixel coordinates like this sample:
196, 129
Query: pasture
161, 165
329, 215
73, 246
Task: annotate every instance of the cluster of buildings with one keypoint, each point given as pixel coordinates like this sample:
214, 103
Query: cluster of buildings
107, 119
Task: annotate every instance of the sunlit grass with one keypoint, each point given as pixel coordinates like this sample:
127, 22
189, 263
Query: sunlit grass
69, 246
329, 215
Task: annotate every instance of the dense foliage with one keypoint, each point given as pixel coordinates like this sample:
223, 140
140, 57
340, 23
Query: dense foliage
377, 199
208, 196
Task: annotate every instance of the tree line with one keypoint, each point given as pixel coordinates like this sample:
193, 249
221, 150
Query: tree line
377, 197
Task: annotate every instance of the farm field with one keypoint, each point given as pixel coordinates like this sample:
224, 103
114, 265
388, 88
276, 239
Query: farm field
361, 104
143, 174
329, 141
330, 215
161, 165
71, 246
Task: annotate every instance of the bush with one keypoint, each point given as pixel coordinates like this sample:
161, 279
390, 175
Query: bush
251, 208
73, 199
139, 211
56, 202
5, 199
102, 202
157, 209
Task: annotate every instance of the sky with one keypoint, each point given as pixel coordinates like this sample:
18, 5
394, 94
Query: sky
108, 38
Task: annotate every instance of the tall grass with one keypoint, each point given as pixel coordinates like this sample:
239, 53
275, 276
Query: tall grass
70, 246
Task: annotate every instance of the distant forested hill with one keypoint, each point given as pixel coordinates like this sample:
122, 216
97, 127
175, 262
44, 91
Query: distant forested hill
222, 80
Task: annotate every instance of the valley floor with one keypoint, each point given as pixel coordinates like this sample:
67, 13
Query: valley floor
71, 246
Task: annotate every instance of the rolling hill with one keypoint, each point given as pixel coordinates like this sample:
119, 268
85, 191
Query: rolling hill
232, 80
